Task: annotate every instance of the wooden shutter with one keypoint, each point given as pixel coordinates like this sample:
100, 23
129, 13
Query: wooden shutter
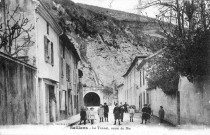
52, 54
67, 72
46, 49
62, 73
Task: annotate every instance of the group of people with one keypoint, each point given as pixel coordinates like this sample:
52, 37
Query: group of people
147, 113
89, 114
119, 111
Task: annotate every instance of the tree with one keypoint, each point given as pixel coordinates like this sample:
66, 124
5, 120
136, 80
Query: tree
15, 31
162, 75
108, 91
186, 26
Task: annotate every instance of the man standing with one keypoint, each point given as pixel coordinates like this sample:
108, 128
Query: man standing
116, 112
106, 111
144, 114
82, 116
161, 114
149, 112
126, 107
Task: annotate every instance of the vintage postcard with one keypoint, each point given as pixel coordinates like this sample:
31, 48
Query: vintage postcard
104, 67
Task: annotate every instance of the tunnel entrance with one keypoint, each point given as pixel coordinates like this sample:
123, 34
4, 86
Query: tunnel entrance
92, 99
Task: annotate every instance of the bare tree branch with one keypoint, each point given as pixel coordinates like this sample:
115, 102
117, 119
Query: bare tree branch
16, 26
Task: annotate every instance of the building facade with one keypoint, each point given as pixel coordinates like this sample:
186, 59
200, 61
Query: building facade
70, 84
57, 83
156, 97
134, 84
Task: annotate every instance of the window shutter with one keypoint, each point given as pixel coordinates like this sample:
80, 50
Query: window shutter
46, 49
52, 54
67, 72
62, 75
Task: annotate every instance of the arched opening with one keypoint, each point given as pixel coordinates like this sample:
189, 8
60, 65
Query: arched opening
92, 99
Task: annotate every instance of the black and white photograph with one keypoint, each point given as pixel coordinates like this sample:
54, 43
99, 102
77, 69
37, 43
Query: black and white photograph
113, 67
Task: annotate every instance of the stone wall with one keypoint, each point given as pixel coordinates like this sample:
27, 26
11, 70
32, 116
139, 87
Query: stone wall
169, 103
17, 92
195, 102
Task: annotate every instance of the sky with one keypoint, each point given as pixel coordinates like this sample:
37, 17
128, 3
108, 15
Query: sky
123, 5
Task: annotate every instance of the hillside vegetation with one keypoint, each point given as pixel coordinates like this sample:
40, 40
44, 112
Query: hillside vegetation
108, 40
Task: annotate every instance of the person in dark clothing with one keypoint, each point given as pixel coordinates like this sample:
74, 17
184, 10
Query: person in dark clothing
116, 112
149, 112
161, 114
83, 116
126, 107
106, 111
144, 114
121, 112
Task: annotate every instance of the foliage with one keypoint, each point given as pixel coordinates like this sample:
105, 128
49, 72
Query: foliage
15, 27
186, 24
162, 75
107, 90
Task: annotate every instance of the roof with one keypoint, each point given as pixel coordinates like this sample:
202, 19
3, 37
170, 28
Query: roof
67, 42
44, 12
150, 57
8, 57
133, 64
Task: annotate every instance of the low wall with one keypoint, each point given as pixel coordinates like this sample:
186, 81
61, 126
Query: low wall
195, 102
169, 103
17, 92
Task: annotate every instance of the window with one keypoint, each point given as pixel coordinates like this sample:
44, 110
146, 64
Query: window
46, 98
64, 52
46, 43
67, 72
148, 98
140, 79
75, 101
62, 49
140, 101
62, 99
48, 51
52, 54
48, 28
62, 63
143, 78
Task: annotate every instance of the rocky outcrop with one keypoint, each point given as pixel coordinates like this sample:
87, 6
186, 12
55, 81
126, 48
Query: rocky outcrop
108, 40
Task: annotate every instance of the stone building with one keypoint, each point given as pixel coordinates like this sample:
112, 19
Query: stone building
189, 105
48, 48
69, 78
133, 91
156, 97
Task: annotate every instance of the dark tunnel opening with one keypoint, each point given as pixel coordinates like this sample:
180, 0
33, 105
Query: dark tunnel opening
92, 99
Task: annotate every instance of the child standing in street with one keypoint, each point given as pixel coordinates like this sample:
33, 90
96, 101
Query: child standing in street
92, 115
116, 113
82, 116
88, 115
101, 113
131, 112
106, 112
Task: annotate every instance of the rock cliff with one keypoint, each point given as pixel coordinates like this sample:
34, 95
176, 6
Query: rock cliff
108, 40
